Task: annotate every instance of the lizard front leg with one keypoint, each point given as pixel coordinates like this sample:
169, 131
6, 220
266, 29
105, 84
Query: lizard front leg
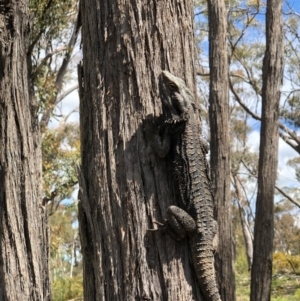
159, 137
161, 143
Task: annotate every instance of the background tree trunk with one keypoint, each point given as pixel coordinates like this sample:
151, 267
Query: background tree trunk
23, 227
124, 185
261, 275
220, 144
247, 234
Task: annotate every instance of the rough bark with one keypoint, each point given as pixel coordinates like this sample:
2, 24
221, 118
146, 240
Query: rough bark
219, 145
261, 275
124, 185
23, 227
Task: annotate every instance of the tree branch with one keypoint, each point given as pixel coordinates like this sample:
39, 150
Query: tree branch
201, 72
50, 54
63, 68
239, 100
31, 46
276, 187
257, 117
287, 196
66, 93
61, 73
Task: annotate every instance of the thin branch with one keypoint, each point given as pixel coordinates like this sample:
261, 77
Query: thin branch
54, 194
291, 92
276, 187
287, 141
66, 93
233, 46
61, 73
65, 117
63, 68
43, 29
245, 197
50, 54
240, 77
201, 12
201, 72
250, 76
44, 60
239, 100
287, 196
257, 117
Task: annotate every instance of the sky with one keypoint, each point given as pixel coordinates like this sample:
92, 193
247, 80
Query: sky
294, 4
68, 104
285, 174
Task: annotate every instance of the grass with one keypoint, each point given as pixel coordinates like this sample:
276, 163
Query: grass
285, 287
285, 281
242, 286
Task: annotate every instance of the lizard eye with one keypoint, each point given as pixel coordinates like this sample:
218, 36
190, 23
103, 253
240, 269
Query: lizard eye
172, 86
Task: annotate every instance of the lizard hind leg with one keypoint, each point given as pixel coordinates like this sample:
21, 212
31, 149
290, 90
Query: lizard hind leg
166, 227
180, 223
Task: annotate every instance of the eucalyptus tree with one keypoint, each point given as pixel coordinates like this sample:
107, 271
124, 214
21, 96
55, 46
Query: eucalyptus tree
23, 220
261, 273
220, 142
124, 186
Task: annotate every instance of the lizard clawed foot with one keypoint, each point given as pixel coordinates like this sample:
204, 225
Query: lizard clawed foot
163, 226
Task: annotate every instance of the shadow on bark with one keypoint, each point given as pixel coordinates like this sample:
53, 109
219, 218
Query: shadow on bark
161, 191
3, 295
127, 261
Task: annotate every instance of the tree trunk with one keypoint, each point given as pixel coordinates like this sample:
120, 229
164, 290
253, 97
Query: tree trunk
219, 145
23, 227
248, 236
261, 275
124, 185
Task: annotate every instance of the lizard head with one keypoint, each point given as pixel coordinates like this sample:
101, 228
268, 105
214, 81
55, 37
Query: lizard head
177, 100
